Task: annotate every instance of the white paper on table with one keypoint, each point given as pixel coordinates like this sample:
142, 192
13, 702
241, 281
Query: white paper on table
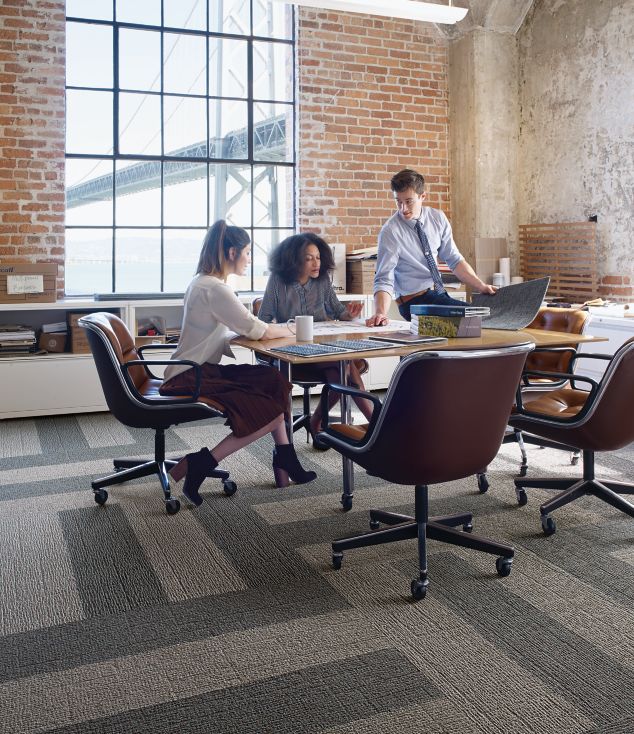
323, 328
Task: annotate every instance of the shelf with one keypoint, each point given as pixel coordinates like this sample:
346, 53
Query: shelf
66, 382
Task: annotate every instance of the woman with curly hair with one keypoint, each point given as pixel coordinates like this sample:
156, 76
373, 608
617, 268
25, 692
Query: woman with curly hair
254, 398
300, 284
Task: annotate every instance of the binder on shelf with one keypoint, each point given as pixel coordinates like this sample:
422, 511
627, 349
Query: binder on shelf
433, 309
57, 327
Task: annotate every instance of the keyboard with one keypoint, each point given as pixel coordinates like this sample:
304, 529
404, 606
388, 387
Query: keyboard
310, 350
359, 345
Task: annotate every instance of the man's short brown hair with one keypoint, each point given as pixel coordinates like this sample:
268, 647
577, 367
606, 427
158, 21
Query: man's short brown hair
407, 179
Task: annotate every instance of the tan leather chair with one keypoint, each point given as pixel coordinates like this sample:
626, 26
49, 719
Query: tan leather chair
132, 394
549, 318
599, 420
442, 419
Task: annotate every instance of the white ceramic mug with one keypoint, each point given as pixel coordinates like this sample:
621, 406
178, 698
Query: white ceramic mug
302, 327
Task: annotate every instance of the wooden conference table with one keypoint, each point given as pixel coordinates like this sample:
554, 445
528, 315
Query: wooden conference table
490, 339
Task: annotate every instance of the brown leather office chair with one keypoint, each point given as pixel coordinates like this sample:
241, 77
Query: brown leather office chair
417, 438
599, 420
549, 318
132, 394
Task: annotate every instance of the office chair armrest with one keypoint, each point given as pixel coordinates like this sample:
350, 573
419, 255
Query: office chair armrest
549, 350
590, 355
153, 347
594, 387
144, 363
352, 392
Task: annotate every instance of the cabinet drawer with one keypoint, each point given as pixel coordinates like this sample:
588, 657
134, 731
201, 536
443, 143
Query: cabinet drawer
49, 385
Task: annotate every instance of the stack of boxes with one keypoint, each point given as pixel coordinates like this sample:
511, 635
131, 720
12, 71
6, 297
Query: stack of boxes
360, 275
78, 339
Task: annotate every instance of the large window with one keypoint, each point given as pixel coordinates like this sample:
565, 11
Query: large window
178, 113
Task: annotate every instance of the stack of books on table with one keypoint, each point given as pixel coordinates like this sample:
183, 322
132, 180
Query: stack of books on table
16, 339
447, 321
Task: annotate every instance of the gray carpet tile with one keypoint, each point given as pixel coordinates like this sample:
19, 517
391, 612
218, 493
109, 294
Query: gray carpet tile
626, 726
302, 702
586, 552
19, 438
568, 663
229, 617
140, 630
112, 572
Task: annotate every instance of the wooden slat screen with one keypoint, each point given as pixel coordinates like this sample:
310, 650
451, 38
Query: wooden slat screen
564, 251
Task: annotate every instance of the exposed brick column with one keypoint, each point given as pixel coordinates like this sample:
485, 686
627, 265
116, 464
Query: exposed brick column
372, 99
32, 48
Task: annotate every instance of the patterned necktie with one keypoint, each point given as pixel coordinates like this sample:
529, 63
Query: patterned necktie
431, 263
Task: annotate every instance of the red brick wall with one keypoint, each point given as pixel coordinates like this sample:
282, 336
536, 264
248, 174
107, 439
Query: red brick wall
616, 288
373, 99
32, 132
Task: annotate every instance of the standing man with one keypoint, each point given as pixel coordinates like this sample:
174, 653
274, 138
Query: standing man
409, 243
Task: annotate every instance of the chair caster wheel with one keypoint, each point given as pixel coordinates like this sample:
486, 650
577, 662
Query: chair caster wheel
229, 487
172, 506
467, 527
483, 483
346, 502
503, 566
374, 524
101, 496
548, 525
574, 459
419, 589
337, 558
522, 497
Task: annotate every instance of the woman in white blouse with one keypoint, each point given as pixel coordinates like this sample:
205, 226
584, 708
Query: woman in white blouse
254, 398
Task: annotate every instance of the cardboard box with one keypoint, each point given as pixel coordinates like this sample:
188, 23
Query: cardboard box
488, 251
360, 276
28, 282
447, 326
78, 339
54, 341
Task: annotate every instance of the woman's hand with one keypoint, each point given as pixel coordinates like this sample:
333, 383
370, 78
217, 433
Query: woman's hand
353, 309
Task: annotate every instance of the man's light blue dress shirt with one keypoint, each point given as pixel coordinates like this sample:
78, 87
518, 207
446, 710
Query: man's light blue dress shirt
401, 268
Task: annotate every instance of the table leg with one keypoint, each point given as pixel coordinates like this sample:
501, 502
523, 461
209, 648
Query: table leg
285, 369
347, 464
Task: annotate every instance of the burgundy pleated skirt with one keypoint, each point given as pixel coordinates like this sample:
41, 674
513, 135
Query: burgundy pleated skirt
251, 396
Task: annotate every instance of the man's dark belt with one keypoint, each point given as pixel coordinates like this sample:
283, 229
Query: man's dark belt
404, 299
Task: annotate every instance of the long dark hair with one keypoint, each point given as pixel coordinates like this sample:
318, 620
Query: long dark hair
220, 238
287, 259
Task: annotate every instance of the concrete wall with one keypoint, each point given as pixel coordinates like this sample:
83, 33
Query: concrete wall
484, 126
576, 144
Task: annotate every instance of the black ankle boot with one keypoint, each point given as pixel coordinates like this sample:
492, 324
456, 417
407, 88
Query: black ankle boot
195, 468
286, 464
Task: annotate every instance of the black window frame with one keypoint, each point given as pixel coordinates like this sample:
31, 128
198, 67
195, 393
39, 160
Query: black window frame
250, 161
